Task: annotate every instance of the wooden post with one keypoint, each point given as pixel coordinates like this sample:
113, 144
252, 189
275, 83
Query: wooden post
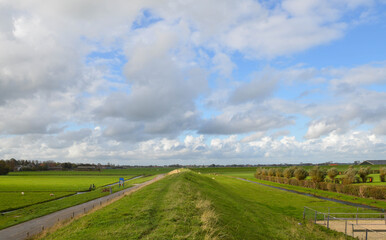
357, 215
304, 213
345, 228
328, 221
316, 215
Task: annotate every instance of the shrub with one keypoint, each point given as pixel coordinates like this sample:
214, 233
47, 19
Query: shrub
331, 187
293, 182
318, 174
279, 172
272, 172
289, 172
350, 175
382, 174
300, 174
332, 173
363, 172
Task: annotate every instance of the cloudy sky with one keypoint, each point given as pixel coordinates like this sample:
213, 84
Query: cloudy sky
193, 82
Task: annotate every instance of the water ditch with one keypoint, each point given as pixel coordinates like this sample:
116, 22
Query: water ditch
70, 195
318, 197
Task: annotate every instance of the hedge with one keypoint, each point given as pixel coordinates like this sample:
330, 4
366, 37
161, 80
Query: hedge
375, 192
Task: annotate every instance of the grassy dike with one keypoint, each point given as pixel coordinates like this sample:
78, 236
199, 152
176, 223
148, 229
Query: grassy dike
189, 205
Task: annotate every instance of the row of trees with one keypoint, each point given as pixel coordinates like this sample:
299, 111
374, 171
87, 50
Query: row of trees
34, 165
318, 174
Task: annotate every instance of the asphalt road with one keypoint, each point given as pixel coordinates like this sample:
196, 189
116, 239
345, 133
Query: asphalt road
37, 225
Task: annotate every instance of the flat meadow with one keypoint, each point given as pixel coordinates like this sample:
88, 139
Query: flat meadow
27, 195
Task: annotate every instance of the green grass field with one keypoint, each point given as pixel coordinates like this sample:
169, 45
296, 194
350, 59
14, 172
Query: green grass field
199, 206
248, 173
43, 208
38, 185
54, 183
103, 172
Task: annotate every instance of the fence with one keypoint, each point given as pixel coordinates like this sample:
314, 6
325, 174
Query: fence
360, 222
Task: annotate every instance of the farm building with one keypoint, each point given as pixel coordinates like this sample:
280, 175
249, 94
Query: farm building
373, 162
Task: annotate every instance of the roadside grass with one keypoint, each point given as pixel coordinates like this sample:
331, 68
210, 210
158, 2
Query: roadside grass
44, 208
188, 205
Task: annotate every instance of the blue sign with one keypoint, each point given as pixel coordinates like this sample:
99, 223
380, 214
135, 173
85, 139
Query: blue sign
121, 182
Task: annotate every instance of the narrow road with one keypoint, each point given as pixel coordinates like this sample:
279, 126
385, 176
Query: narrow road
37, 225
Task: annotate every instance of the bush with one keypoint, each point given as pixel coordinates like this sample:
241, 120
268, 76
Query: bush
279, 172
331, 187
272, 172
300, 174
332, 173
363, 172
318, 174
350, 175
289, 172
382, 174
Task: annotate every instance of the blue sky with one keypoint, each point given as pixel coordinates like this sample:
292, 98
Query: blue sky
225, 82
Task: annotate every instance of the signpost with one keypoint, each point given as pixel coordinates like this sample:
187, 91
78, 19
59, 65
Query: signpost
121, 182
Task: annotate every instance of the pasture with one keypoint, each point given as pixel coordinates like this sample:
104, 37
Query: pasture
188, 205
50, 191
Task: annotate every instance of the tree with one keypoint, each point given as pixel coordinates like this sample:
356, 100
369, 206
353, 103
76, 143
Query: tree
300, 173
318, 174
382, 174
350, 175
279, 172
4, 169
363, 172
332, 173
289, 172
271, 172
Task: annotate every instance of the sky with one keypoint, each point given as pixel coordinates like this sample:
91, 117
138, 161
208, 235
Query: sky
193, 82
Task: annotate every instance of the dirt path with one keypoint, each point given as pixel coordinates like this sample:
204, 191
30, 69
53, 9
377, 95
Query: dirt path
37, 225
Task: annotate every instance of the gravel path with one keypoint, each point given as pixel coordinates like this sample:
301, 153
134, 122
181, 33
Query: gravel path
37, 225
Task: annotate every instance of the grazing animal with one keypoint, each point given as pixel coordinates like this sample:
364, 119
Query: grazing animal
22, 193
51, 194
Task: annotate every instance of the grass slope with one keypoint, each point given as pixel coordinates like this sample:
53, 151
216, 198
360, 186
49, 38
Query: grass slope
193, 206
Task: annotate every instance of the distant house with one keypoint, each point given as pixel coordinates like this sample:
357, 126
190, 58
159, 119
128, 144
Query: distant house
373, 162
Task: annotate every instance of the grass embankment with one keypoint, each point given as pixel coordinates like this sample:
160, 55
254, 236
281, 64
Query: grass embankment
193, 206
41, 209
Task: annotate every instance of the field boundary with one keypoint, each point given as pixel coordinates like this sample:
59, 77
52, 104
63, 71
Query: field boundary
38, 225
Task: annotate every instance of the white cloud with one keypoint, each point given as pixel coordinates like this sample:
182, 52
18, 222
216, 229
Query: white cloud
136, 69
